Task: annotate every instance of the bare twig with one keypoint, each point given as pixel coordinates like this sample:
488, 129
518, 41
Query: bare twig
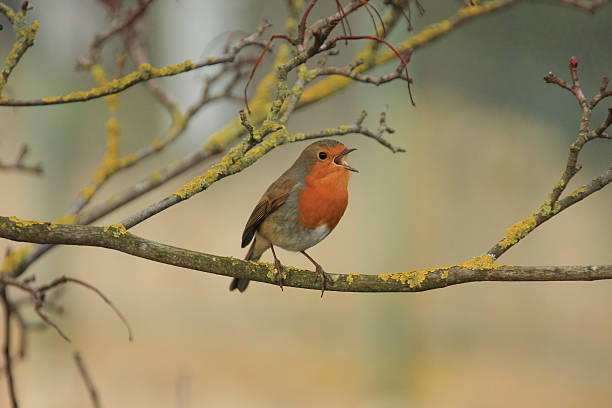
64, 279
38, 296
19, 165
603, 93
584, 133
6, 347
91, 389
128, 21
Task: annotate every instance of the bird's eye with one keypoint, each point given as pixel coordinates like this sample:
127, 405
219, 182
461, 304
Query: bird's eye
322, 155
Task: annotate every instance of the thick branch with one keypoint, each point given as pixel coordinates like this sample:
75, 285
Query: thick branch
117, 238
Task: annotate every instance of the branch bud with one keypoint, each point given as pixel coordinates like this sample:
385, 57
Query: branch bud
573, 62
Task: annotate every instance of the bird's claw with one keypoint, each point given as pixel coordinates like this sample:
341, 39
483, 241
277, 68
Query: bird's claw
324, 278
278, 267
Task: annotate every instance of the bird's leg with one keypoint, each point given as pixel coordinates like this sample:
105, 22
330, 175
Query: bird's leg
277, 266
320, 272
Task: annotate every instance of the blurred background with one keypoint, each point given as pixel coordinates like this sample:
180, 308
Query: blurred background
485, 143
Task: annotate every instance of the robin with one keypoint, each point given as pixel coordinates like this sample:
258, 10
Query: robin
300, 208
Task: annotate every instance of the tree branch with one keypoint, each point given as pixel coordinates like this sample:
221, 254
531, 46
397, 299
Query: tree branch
145, 72
553, 205
116, 237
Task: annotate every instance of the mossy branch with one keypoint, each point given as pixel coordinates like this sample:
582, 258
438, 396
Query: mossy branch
116, 237
145, 72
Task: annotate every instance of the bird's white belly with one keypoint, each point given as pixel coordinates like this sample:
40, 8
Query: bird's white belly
299, 238
307, 238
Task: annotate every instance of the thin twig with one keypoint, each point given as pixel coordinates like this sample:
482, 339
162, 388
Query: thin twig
19, 164
91, 389
6, 347
64, 279
131, 18
584, 134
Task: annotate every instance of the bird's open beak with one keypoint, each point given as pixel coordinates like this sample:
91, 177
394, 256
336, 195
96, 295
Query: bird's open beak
339, 160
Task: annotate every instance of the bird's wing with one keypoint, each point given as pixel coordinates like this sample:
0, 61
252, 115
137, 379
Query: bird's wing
274, 197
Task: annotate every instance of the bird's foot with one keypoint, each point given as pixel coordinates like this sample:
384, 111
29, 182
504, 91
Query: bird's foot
279, 270
324, 278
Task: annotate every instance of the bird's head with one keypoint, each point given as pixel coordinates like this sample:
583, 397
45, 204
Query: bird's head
326, 157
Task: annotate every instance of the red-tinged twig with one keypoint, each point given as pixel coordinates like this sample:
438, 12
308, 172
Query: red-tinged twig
332, 42
302, 26
91, 389
64, 279
575, 87
344, 21
368, 6
6, 347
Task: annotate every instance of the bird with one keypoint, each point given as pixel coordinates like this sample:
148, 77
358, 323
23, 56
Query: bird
300, 208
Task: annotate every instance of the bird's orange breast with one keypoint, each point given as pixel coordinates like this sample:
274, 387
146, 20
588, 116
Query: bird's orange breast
323, 199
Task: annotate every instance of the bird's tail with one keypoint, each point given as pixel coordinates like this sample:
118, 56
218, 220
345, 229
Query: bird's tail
254, 253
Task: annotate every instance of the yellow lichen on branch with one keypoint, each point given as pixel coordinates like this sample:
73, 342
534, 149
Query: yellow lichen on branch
415, 278
350, 278
236, 160
116, 229
110, 162
518, 231
15, 259
412, 278
143, 73
260, 105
